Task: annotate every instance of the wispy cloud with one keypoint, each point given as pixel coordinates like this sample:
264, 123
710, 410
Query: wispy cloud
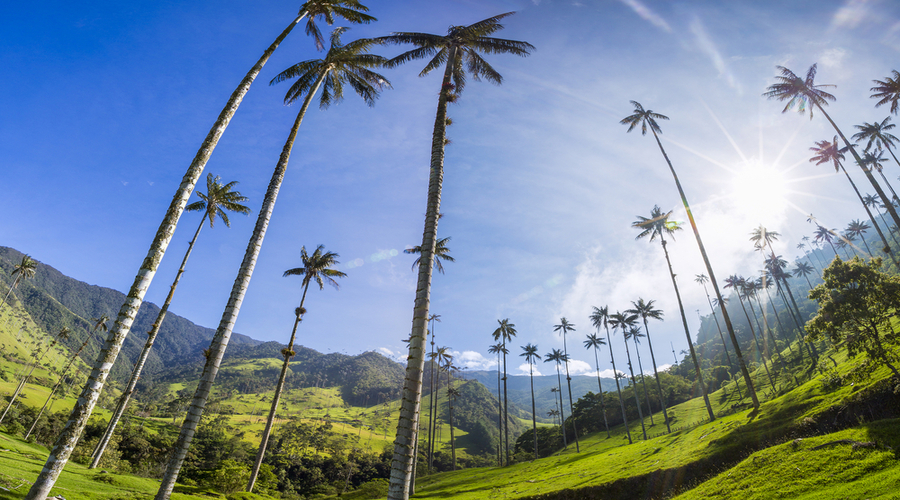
706, 45
472, 360
851, 14
648, 15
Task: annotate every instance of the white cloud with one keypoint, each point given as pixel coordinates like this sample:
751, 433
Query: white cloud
851, 14
706, 45
472, 360
648, 15
395, 355
832, 58
578, 367
525, 367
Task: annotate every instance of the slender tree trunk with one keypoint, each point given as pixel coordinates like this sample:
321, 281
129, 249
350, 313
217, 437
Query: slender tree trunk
618, 387
232, 309
562, 413
687, 334
712, 278
450, 410
599, 388
721, 336
80, 414
14, 284
634, 386
36, 361
662, 398
762, 354
571, 405
401, 464
499, 414
142, 359
643, 381
431, 416
533, 411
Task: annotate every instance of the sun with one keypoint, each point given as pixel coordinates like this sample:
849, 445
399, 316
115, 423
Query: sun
760, 190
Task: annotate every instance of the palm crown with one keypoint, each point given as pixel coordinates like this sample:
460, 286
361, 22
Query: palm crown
459, 49
876, 133
888, 91
317, 267
218, 198
798, 91
441, 252
644, 118
351, 10
828, 152
658, 224
342, 64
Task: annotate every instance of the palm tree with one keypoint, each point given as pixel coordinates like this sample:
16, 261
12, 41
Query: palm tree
217, 199
803, 93
99, 324
634, 333
888, 91
352, 11
505, 332
703, 280
441, 252
593, 341
558, 356
564, 326
431, 416
858, 228
775, 265
460, 45
529, 351
804, 269
659, 225
342, 64
647, 119
619, 320
499, 349
738, 283
875, 160
645, 310
25, 269
36, 358
877, 134
600, 317
824, 234
318, 267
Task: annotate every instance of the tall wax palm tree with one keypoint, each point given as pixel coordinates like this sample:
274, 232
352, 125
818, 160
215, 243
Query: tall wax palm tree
874, 160
441, 252
600, 317
218, 199
505, 332
888, 91
623, 322
431, 416
877, 134
25, 269
645, 310
563, 327
703, 280
659, 225
593, 341
99, 324
529, 351
499, 349
558, 357
350, 10
762, 239
824, 234
857, 228
775, 265
36, 358
634, 333
343, 64
738, 283
804, 269
318, 268
458, 51
647, 119
803, 93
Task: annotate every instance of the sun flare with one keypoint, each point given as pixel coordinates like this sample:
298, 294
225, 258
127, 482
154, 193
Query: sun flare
760, 190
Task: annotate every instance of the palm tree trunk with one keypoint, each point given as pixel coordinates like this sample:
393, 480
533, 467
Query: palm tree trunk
232, 309
618, 387
36, 361
662, 398
721, 336
450, 409
571, 405
80, 414
505, 405
14, 284
634, 386
279, 387
499, 414
781, 328
534, 411
687, 332
756, 340
142, 359
712, 278
431, 416
600, 389
562, 412
401, 464
889, 184
643, 381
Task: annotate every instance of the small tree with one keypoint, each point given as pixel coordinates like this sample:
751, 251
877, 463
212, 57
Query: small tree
856, 304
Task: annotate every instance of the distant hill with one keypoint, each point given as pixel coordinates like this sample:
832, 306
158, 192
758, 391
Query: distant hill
519, 388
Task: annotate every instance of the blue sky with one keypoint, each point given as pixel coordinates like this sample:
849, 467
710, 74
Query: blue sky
104, 105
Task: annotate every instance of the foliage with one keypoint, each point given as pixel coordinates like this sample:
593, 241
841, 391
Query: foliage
856, 305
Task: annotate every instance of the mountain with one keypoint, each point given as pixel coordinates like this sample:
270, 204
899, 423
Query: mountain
519, 388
